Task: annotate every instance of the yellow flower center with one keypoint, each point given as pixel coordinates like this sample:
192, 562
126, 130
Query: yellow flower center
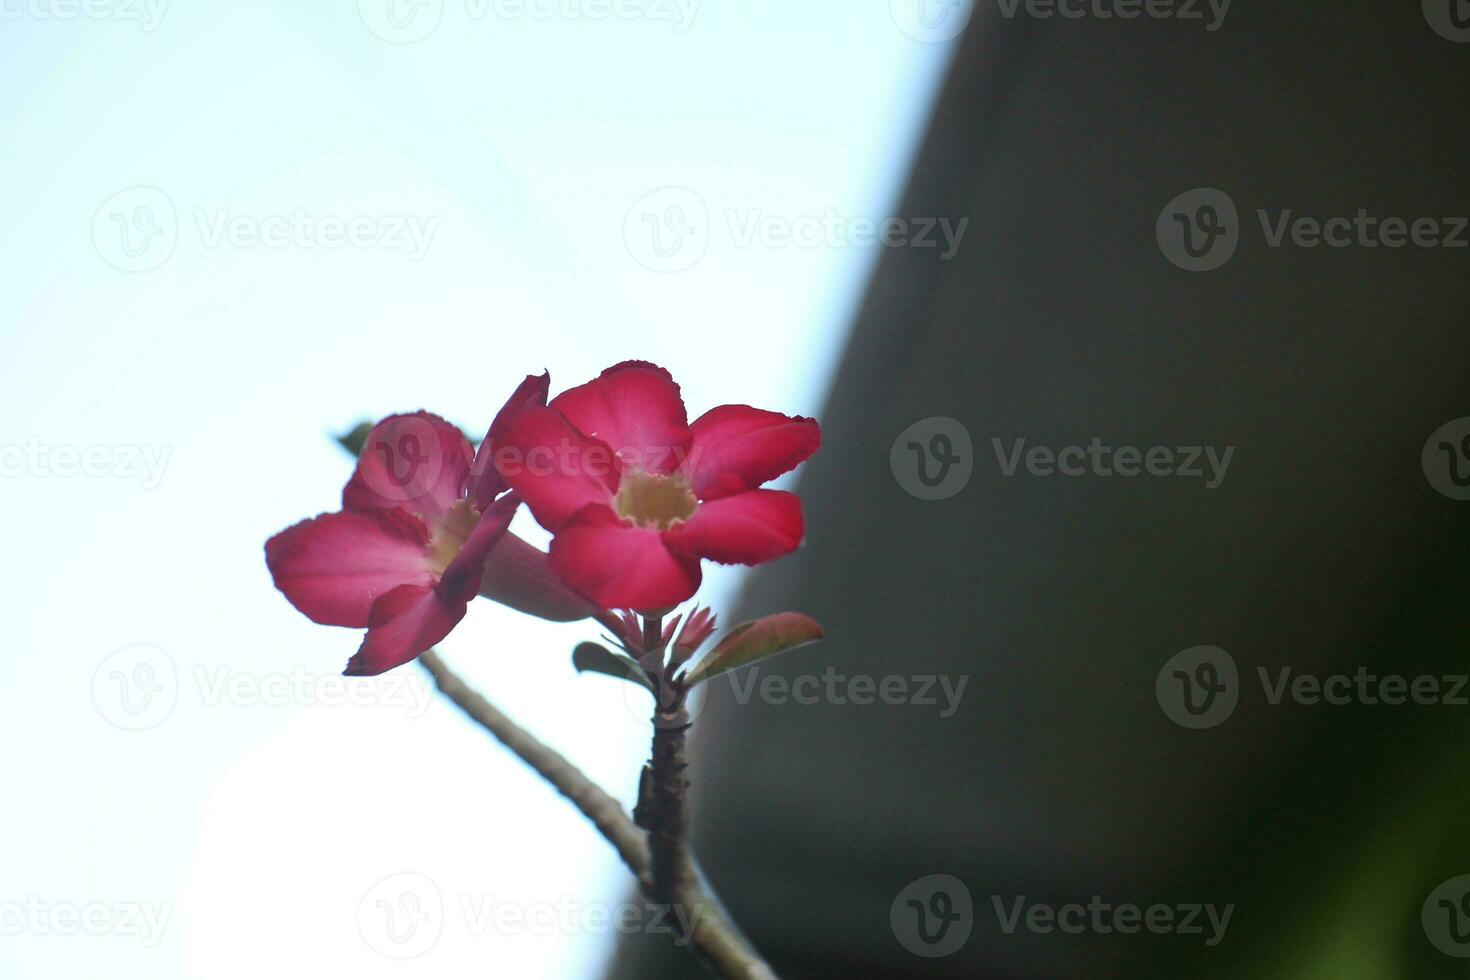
449, 534
653, 501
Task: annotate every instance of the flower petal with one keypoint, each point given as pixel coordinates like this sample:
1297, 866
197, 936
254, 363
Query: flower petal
487, 483
519, 575
461, 580
737, 448
417, 463
635, 408
553, 467
333, 567
404, 623
748, 528
620, 566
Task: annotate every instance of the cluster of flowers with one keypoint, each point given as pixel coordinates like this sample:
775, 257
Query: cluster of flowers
634, 495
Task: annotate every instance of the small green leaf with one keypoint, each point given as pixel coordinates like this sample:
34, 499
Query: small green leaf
353, 441
754, 641
601, 660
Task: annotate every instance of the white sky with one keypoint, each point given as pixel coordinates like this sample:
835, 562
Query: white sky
247, 829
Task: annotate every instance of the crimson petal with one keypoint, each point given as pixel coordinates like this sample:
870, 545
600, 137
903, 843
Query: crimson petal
635, 408
417, 463
620, 566
487, 483
333, 567
553, 467
747, 529
737, 448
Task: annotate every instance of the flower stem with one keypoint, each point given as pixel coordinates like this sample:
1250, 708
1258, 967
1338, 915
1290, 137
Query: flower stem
712, 937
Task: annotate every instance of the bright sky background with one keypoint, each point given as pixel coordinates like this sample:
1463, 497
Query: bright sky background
225, 816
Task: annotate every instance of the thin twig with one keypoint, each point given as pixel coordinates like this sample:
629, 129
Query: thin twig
714, 939
605, 812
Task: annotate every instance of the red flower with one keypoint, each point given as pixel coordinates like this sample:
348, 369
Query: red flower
635, 495
413, 545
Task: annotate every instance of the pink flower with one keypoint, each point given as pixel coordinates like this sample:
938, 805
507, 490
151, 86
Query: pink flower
635, 495
418, 536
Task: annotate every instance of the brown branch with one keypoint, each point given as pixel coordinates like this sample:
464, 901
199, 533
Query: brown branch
605, 812
716, 942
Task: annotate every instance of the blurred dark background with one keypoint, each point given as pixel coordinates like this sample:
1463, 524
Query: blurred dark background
1325, 548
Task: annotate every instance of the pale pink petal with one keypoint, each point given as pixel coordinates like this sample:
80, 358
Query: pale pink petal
519, 575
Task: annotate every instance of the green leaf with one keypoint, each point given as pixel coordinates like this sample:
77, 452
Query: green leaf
601, 660
353, 441
754, 641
